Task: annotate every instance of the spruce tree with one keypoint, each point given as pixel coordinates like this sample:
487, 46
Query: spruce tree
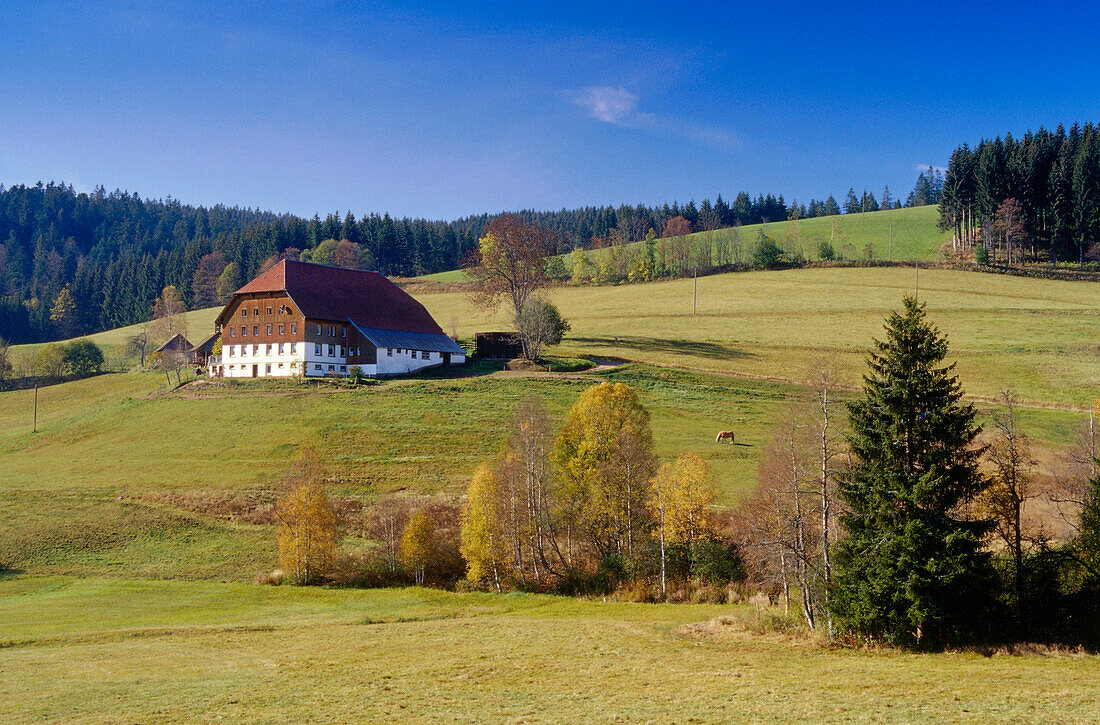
911, 571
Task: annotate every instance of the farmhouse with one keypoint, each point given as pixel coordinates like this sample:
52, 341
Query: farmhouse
317, 320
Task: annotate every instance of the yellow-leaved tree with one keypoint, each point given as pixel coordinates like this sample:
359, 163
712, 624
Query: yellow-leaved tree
605, 452
482, 535
307, 533
417, 544
682, 495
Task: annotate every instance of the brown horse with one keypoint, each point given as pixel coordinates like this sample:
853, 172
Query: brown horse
725, 435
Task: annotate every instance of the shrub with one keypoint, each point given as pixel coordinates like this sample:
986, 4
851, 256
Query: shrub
715, 562
767, 255
981, 255
82, 358
826, 252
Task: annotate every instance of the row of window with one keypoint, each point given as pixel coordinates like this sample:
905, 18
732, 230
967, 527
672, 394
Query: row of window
424, 354
330, 330
280, 366
283, 310
256, 330
256, 349
318, 349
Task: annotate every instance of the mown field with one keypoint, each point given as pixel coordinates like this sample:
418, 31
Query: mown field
1038, 337
127, 651
898, 234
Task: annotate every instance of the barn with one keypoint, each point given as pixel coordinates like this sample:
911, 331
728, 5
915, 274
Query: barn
299, 318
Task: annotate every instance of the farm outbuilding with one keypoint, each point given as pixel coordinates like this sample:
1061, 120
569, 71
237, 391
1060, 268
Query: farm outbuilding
497, 345
177, 344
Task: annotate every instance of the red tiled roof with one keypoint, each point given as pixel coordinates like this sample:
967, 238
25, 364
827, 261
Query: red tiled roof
322, 292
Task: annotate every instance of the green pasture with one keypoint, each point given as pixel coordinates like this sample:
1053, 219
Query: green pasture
92, 650
897, 234
1038, 337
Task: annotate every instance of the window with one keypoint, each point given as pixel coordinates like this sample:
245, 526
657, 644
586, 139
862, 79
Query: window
244, 312
318, 329
316, 367
255, 311
332, 367
255, 349
229, 350
232, 331
244, 350
280, 348
414, 354
293, 348
269, 349
343, 368
389, 352
255, 330
267, 368
269, 311
269, 329
280, 366
330, 351
345, 331
317, 348
282, 329
244, 331
294, 328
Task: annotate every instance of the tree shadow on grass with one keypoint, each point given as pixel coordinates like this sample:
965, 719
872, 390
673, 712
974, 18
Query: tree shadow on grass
714, 350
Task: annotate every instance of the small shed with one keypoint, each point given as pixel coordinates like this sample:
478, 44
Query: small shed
202, 352
177, 344
497, 345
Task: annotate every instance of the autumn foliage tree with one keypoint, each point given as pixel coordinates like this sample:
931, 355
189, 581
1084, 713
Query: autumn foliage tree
680, 500
482, 528
605, 454
169, 315
418, 544
307, 533
511, 262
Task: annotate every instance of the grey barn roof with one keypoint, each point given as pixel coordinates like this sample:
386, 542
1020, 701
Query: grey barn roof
409, 340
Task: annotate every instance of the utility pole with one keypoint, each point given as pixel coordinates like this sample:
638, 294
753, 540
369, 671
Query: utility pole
694, 291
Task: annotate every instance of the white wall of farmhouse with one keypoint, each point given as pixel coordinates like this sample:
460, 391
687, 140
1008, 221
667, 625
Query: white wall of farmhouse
278, 360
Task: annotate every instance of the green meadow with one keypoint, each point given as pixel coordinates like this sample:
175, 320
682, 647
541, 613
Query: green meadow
897, 234
1038, 337
105, 651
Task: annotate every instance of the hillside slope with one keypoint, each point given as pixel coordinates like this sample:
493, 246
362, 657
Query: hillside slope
897, 234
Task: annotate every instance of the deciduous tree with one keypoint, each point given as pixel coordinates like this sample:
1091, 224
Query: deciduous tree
511, 262
1011, 488
482, 528
604, 450
417, 544
307, 534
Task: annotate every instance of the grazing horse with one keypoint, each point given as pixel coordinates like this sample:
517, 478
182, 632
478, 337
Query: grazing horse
725, 435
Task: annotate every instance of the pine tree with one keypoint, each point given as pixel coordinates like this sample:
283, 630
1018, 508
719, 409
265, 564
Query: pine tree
912, 570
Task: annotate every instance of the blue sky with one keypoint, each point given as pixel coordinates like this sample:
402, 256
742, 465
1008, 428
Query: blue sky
441, 110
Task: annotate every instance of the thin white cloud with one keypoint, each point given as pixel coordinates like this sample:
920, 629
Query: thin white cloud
927, 167
607, 103
618, 106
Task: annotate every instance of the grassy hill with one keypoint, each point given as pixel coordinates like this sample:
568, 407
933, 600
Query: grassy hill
1038, 337
898, 234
